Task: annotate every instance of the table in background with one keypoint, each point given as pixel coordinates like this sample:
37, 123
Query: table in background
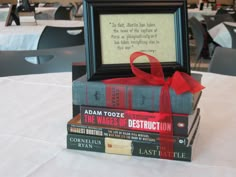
3, 13
33, 117
45, 11
48, 11
221, 35
26, 37
199, 13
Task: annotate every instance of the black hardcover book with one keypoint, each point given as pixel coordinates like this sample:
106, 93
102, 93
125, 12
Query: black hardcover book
75, 126
78, 70
129, 147
76, 110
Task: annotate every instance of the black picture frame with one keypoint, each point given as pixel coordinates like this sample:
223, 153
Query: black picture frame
94, 9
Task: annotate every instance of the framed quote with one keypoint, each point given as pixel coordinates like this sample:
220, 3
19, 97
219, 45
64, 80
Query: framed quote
114, 29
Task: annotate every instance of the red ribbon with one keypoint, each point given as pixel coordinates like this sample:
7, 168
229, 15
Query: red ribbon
180, 82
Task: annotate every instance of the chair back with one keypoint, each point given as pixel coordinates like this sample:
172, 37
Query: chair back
198, 34
53, 37
221, 11
232, 32
223, 61
61, 59
63, 13
77, 12
213, 20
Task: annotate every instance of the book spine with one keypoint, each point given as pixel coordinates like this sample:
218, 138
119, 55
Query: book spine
134, 120
124, 134
124, 147
146, 98
75, 110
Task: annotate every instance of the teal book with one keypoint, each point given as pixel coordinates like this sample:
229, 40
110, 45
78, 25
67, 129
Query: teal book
133, 97
129, 147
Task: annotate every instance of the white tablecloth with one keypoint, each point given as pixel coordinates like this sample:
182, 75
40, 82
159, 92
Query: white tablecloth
199, 13
221, 35
3, 13
33, 117
27, 37
45, 11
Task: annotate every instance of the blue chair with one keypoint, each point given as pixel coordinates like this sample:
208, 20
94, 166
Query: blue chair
56, 37
63, 13
61, 60
232, 32
223, 61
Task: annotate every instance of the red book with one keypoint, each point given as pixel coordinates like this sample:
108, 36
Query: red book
137, 120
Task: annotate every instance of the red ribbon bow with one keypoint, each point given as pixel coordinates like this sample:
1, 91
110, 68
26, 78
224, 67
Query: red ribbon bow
180, 82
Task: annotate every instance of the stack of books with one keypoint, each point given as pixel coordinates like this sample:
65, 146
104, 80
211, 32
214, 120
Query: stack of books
125, 119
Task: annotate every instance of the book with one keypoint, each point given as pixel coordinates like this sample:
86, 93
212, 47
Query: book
78, 70
129, 147
133, 97
137, 120
75, 126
